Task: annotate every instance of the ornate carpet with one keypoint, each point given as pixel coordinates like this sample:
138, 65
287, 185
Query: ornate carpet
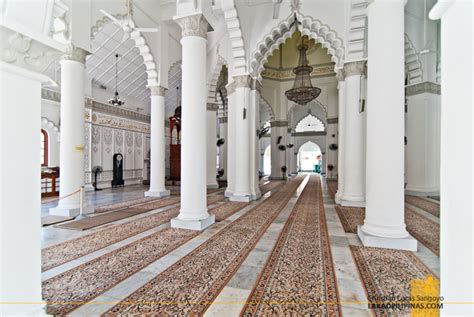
69, 250
387, 272
299, 278
421, 228
332, 187
270, 186
428, 206
190, 285
125, 204
66, 291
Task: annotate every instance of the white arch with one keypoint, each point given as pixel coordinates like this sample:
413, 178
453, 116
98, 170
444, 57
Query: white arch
313, 28
308, 117
413, 68
211, 96
140, 43
235, 35
266, 110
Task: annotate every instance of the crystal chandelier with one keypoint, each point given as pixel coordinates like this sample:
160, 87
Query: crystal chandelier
116, 101
303, 90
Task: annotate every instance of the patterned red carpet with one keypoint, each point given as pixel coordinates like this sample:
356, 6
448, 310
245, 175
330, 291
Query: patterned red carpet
73, 249
66, 291
422, 203
270, 186
421, 228
386, 272
190, 285
299, 275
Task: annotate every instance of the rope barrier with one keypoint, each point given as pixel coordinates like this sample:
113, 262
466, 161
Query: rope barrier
81, 199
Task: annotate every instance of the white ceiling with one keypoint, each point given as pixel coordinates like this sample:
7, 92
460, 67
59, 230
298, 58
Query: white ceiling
100, 65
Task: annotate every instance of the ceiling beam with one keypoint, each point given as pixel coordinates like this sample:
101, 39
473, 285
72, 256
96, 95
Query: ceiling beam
112, 66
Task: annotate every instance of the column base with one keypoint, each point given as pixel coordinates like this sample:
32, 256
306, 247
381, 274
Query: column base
338, 197
352, 201
408, 243
421, 192
256, 196
160, 193
192, 224
240, 197
71, 212
89, 188
228, 193
212, 186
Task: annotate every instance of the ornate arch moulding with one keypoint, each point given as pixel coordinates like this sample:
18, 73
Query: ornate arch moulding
140, 43
212, 85
313, 28
236, 39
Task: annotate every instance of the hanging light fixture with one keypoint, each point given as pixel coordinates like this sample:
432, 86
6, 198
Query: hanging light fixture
116, 101
303, 90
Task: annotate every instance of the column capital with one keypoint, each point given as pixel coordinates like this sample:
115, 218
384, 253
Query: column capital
340, 75
193, 25
239, 81
355, 68
279, 123
74, 53
157, 90
255, 85
212, 106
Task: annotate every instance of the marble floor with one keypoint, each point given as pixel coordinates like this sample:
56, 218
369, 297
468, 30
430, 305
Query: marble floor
233, 295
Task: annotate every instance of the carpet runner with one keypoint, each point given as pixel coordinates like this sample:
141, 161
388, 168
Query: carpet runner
428, 206
387, 273
270, 186
421, 228
69, 250
299, 278
67, 291
190, 285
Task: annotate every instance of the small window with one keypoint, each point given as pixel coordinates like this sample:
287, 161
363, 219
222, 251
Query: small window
44, 148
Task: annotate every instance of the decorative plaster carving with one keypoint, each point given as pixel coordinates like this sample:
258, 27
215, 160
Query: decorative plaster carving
288, 74
222, 120
25, 52
121, 123
332, 120
95, 134
87, 133
255, 85
138, 140
50, 124
425, 87
74, 53
314, 29
340, 75
129, 138
239, 81
50, 95
157, 90
355, 68
194, 25
140, 43
119, 137
121, 112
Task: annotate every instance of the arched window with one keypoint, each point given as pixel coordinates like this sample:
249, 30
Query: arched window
310, 124
44, 148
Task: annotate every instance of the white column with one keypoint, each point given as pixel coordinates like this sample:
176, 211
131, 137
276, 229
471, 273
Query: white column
211, 121
278, 157
71, 148
457, 216
20, 191
341, 86
239, 100
193, 213
254, 141
157, 144
223, 149
354, 139
384, 224
423, 131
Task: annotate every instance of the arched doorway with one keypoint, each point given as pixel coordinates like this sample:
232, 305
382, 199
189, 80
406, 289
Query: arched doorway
309, 158
267, 160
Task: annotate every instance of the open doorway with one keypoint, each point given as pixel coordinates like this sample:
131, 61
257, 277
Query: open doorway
267, 161
309, 158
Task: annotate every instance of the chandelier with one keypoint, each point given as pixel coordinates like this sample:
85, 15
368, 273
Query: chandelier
116, 101
303, 90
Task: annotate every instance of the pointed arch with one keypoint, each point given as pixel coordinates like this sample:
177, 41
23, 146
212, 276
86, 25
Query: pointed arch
413, 69
310, 119
212, 84
313, 28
